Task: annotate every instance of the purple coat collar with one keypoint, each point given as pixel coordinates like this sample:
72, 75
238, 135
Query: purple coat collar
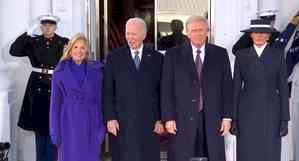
90, 64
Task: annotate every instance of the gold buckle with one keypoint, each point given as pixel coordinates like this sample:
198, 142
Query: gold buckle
45, 71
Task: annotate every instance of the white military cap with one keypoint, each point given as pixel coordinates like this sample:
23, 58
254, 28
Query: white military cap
267, 14
48, 18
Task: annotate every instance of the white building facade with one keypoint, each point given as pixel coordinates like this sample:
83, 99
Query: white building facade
228, 17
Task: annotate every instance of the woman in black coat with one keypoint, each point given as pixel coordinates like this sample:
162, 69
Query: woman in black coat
260, 97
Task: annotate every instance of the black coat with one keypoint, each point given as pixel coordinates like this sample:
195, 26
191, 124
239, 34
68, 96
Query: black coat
42, 53
260, 102
179, 91
132, 97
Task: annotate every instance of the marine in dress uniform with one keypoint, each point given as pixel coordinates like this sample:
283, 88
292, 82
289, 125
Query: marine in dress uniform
44, 51
277, 39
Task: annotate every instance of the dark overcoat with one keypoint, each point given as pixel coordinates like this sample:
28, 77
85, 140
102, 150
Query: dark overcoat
260, 102
132, 98
179, 88
42, 53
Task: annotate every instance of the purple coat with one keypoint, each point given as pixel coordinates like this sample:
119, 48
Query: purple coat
76, 124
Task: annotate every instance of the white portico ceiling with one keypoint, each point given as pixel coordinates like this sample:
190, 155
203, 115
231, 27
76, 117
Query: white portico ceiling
183, 7
180, 9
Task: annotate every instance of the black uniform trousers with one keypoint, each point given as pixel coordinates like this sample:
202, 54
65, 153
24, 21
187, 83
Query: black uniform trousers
45, 150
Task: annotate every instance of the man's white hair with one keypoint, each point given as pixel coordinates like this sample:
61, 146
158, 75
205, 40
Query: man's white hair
138, 20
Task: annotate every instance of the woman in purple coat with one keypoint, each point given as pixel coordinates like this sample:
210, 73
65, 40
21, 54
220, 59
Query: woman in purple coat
76, 125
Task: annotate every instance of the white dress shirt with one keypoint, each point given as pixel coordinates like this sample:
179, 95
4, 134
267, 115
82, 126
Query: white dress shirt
259, 50
139, 50
202, 50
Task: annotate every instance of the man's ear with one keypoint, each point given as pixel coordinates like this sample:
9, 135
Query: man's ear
144, 36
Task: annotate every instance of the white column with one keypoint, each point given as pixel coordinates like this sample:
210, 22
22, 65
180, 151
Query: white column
287, 10
72, 14
38, 7
15, 18
231, 16
63, 9
268, 5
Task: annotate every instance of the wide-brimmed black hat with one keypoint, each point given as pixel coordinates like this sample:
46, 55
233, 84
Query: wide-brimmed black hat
260, 25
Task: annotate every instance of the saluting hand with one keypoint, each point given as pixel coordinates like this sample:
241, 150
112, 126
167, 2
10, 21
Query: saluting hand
171, 127
113, 127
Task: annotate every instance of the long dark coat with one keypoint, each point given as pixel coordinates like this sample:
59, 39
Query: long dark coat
76, 114
131, 97
261, 102
42, 53
179, 99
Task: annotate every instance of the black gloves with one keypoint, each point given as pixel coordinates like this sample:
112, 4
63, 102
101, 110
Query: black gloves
234, 128
283, 130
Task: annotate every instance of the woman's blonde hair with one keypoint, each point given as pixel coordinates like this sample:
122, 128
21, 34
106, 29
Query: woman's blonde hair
68, 48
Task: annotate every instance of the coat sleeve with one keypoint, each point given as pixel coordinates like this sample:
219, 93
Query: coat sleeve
109, 90
55, 108
21, 46
283, 91
160, 61
227, 87
167, 88
237, 85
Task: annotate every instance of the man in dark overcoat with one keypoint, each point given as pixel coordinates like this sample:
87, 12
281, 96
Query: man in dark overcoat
196, 96
261, 107
131, 99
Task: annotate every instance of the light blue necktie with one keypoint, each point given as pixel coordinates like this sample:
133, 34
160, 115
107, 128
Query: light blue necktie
136, 59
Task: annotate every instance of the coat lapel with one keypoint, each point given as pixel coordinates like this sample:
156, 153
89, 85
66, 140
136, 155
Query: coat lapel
91, 71
146, 57
128, 60
253, 52
189, 63
73, 82
265, 52
207, 60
